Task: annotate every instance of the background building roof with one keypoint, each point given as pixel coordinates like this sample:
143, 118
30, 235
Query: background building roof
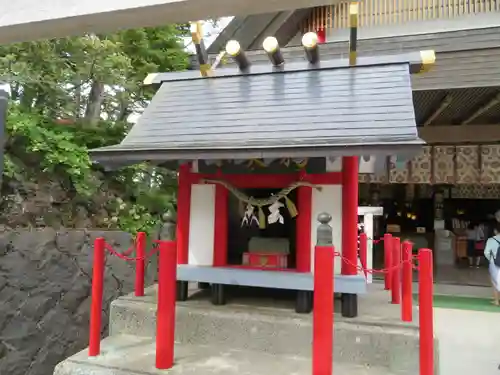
250, 31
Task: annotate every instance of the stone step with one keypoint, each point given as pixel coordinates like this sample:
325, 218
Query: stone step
133, 355
273, 331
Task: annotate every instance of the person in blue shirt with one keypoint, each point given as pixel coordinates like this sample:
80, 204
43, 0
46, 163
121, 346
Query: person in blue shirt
491, 251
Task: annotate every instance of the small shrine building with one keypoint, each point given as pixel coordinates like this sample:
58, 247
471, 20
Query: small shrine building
262, 150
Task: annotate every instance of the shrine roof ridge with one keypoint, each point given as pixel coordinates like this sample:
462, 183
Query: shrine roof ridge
415, 60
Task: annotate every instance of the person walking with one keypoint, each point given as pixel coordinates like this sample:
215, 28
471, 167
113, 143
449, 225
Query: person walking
492, 254
475, 240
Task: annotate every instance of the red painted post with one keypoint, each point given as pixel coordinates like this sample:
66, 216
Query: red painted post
221, 226
96, 302
363, 251
303, 220
350, 199
425, 309
140, 263
387, 259
183, 212
165, 324
406, 283
396, 271
322, 360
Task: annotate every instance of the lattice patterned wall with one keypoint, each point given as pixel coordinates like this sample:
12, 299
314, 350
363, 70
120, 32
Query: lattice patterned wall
445, 164
321, 18
393, 12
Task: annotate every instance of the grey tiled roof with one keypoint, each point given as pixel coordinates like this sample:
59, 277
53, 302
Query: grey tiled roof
321, 112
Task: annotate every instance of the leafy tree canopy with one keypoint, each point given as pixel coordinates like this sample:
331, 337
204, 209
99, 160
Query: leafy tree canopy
73, 94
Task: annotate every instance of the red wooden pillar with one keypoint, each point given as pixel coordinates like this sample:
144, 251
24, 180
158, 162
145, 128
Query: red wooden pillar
303, 232
97, 294
165, 315
322, 356
396, 271
140, 263
221, 226
349, 214
183, 213
406, 283
303, 223
425, 309
388, 260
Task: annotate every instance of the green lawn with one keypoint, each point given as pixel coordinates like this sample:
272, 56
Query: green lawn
463, 303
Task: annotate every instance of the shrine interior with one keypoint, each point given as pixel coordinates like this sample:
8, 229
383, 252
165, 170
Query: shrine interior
247, 238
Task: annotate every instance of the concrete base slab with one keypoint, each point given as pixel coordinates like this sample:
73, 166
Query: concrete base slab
130, 355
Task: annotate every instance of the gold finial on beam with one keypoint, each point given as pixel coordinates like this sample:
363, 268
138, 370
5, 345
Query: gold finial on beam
428, 59
196, 32
310, 43
272, 48
233, 49
201, 51
150, 78
353, 36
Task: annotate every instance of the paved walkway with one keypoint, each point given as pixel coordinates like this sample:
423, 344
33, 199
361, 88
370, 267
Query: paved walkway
469, 342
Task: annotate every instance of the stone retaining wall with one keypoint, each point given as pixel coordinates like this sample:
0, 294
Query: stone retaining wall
45, 286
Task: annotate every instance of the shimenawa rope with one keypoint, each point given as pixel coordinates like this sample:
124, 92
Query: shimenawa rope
261, 202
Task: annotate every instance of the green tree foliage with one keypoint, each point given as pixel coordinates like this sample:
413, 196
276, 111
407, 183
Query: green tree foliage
73, 94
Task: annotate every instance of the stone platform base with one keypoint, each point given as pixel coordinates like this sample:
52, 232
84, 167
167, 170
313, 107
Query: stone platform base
376, 338
251, 335
132, 355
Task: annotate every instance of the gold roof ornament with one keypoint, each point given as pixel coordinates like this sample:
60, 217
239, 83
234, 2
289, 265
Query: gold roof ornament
353, 32
233, 49
428, 60
201, 51
272, 48
310, 44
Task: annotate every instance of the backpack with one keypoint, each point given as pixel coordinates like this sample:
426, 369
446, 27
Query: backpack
496, 259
